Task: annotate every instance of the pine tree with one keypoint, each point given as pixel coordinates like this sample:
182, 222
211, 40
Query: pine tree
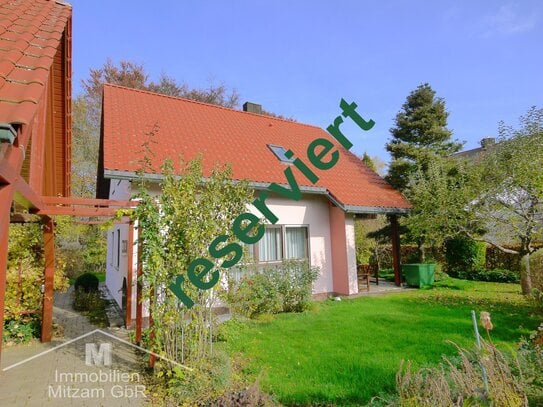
420, 133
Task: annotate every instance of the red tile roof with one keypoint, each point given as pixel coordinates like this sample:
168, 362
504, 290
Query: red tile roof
224, 135
30, 34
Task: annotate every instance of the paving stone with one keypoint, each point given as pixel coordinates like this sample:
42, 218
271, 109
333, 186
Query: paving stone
52, 379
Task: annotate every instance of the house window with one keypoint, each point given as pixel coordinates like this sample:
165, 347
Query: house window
283, 243
296, 242
118, 247
270, 247
280, 153
111, 252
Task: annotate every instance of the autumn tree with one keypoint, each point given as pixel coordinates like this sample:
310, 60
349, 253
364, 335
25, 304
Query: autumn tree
420, 134
496, 198
510, 200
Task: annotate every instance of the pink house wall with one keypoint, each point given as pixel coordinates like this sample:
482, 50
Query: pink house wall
339, 253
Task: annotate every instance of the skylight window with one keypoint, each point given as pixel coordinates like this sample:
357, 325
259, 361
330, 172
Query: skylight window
280, 153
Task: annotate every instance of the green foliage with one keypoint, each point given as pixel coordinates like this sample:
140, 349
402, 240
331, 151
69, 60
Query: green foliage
365, 246
536, 266
464, 255
439, 197
25, 273
419, 136
530, 366
512, 184
92, 305
175, 228
366, 159
83, 247
21, 331
498, 276
87, 282
279, 288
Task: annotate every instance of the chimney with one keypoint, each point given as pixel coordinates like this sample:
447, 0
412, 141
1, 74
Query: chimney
487, 142
252, 107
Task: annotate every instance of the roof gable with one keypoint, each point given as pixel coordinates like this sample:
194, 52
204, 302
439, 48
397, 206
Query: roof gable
185, 128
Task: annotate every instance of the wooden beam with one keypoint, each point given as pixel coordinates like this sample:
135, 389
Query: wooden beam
6, 193
65, 210
24, 194
396, 254
47, 310
59, 200
37, 150
129, 273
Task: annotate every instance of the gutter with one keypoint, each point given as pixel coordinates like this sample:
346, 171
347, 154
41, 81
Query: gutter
354, 209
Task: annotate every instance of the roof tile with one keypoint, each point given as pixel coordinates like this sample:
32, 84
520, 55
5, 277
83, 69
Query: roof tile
30, 34
187, 128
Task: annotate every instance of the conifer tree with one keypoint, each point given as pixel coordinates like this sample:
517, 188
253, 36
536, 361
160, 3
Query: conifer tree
420, 134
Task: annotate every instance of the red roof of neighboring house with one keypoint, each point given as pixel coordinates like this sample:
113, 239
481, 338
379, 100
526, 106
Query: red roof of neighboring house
222, 135
30, 34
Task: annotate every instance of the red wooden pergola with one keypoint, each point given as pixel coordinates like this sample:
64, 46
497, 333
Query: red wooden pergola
35, 132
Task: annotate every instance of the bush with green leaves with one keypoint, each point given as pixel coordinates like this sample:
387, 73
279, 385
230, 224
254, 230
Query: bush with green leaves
87, 282
21, 330
285, 287
464, 255
497, 276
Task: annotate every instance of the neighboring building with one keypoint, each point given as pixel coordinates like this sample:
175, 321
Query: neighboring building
487, 144
319, 227
35, 124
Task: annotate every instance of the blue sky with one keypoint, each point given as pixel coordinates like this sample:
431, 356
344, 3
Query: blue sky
299, 58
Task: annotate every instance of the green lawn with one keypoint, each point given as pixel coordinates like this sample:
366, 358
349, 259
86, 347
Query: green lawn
347, 352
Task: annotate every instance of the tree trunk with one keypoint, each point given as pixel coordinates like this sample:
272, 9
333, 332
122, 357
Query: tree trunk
525, 275
422, 252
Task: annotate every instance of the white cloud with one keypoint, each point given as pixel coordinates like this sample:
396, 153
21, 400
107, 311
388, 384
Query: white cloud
508, 21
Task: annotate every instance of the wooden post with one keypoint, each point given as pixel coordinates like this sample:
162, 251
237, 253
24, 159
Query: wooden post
129, 272
48, 294
6, 195
139, 305
396, 254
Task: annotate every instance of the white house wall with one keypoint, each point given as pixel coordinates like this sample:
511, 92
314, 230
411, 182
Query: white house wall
312, 211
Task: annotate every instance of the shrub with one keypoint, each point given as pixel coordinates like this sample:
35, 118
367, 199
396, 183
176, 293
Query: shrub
497, 276
536, 269
87, 282
530, 366
21, 331
285, 287
459, 382
23, 288
93, 306
464, 255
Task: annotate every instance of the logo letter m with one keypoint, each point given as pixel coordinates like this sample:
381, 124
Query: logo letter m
98, 357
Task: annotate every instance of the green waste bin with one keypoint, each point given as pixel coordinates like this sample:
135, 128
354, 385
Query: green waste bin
419, 274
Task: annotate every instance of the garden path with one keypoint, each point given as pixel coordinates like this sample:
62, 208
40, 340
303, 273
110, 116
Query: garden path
61, 373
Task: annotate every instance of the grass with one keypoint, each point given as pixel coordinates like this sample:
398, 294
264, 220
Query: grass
346, 352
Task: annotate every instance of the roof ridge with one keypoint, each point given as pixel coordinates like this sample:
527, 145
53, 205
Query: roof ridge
211, 105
